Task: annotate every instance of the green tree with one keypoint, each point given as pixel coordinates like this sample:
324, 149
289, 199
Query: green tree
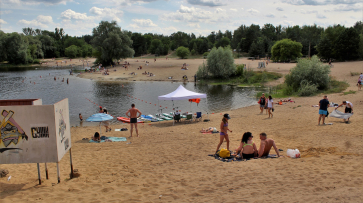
2, 46
220, 62
347, 45
182, 52
360, 46
111, 43
72, 51
16, 48
224, 42
285, 50
155, 43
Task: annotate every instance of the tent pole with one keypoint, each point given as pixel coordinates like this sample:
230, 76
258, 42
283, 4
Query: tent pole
58, 172
39, 178
46, 171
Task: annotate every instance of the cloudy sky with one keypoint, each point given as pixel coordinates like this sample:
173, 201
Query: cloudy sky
78, 17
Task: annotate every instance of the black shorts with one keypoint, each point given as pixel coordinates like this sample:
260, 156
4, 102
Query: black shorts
248, 156
348, 110
133, 120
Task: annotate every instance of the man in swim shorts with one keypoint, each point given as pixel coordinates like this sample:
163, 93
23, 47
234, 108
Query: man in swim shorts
265, 146
133, 115
323, 108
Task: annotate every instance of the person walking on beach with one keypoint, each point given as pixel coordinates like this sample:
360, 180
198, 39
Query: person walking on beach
323, 109
348, 108
133, 115
262, 103
266, 145
359, 83
270, 106
223, 134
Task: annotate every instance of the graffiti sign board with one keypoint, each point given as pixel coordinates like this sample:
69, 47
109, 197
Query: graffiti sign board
34, 133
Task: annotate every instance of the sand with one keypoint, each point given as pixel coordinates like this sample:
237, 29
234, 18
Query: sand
171, 163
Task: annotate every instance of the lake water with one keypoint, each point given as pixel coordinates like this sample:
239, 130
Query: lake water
117, 99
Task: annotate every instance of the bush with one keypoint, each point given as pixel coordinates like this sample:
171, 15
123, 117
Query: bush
288, 90
193, 52
239, 70
307, 89
202, 71
309, 71
36, 61
182, 52
71, 51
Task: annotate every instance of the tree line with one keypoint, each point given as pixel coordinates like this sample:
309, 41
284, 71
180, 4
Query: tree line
108, 42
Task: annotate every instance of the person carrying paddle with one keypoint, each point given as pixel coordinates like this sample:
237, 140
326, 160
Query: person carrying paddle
132, 114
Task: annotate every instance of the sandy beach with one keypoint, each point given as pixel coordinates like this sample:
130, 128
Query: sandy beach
171, 163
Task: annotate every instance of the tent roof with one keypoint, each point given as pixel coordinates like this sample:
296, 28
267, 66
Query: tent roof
181, 93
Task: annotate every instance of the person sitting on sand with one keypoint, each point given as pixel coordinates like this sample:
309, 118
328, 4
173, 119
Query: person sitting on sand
265, 146
223, 133
209, 130
96, 137
247, 149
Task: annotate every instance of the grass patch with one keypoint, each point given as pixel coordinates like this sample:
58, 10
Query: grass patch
336, 86
354, 73
349, 92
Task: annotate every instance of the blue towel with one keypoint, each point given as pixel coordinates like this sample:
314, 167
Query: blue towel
113, 139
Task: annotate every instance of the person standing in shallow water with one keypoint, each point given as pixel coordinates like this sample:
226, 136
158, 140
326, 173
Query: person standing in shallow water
223, 134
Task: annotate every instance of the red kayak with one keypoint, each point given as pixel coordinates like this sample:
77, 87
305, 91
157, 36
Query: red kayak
127, 120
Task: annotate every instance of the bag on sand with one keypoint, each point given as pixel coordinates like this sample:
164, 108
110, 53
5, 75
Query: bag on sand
224, 153
293, 153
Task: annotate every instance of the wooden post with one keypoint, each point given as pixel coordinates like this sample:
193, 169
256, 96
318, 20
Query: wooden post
39, 178
58, 172
46, 171
70, 156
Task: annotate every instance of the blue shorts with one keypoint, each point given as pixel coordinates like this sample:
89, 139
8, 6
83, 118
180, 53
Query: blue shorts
262, 105
323, 112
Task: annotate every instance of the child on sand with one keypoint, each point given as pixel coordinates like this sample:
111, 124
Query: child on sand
223, 133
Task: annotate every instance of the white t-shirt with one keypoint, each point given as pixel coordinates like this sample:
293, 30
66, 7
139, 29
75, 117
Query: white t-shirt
269, 103
361, 76
349, 104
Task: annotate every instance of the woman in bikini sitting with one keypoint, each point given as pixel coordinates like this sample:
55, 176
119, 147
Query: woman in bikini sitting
223, 133
247, 148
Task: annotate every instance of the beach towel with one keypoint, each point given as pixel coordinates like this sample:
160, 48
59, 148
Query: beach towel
211, 132
233, 158
338, 114
122, 129
113, 139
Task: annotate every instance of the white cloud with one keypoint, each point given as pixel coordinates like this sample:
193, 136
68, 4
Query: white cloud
185, 9
279, 9
253, 11
45, 19
210, 3
3, 21
107, 13
307, 11
270, 15
194, 25
197, 15
40, 22
36, 2
233, 9
72, 15
320, 2
320, 16
143, 23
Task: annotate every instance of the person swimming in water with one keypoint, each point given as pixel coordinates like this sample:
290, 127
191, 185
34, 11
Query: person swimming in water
223, 133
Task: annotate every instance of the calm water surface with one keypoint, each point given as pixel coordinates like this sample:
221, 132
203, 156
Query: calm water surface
113, 96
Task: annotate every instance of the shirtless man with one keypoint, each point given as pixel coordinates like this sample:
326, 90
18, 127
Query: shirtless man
132, 114
265, 146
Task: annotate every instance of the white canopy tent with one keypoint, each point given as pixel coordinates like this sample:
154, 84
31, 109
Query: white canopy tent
181, 94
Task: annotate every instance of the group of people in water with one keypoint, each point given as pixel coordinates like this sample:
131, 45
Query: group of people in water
247, 148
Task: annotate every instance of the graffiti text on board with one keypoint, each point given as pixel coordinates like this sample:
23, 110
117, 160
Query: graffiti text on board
40, 132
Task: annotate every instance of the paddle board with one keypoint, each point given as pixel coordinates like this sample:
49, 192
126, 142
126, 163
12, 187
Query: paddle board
127, 120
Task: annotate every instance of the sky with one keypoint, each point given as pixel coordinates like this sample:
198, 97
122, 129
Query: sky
201, 17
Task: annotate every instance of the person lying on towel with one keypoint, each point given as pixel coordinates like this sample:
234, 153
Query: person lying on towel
209, 130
